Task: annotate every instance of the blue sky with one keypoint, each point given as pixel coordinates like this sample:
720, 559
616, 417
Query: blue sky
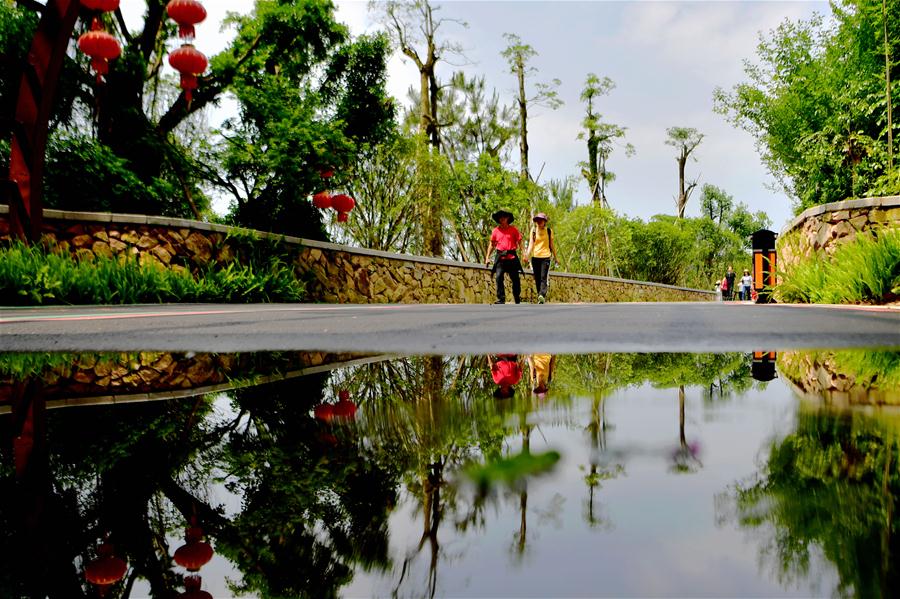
666, 59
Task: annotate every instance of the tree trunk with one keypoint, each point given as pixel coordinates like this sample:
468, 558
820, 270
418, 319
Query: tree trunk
682, 196
523, 122
887, 83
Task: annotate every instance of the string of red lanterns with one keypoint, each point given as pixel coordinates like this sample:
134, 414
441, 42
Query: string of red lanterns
187, 60
97, 43
341, 203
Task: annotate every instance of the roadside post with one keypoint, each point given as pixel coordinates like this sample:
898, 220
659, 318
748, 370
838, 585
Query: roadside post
764, 264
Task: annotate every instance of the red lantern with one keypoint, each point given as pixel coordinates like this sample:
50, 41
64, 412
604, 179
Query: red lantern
101, 47
326, 173
344, 409
190, 62
324, 412
322, 200
342, 203
344, 395
342, 217
186, 13
196, 552
192, 589
101, 5
106, 570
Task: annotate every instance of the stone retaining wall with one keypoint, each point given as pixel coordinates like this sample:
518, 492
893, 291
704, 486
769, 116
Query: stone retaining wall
822, 229
334, 273
821, 376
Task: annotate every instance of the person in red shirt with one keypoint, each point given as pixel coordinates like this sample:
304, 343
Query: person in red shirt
507, 240
506, 372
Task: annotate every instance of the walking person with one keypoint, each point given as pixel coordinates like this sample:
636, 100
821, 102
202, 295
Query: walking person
728, 286
746, 285
507, 241
506, 372
540, 251
540, 366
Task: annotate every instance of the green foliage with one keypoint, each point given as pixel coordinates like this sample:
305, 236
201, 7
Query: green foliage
511, 469
33, 276
865, 270
815, 102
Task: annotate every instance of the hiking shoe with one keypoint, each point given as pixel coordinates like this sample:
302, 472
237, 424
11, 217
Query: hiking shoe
540, 299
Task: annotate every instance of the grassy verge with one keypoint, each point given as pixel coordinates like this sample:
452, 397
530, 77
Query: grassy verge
32, 276
866, 270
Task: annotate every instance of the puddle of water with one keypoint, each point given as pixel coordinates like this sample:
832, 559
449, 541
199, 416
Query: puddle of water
317, 475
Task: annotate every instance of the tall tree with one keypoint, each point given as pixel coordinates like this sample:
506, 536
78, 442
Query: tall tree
517, 55
601, 138
413, 27
715, 203
475, 122
685, 140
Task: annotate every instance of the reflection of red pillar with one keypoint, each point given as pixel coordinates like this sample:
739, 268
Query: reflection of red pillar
37, 89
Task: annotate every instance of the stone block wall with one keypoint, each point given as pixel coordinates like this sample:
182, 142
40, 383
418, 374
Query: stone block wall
821, 376
333, 273
822, 229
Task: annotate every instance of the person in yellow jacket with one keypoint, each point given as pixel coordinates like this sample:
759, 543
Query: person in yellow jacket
540, 250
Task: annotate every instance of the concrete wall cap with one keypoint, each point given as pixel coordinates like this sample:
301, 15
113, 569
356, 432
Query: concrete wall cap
881, 202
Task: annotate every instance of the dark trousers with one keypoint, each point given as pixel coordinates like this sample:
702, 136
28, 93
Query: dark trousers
541, 268
511, 267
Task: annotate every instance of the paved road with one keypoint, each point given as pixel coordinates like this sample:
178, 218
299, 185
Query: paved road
448, 329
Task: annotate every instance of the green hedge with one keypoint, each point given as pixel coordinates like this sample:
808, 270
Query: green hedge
865, 270
33, 276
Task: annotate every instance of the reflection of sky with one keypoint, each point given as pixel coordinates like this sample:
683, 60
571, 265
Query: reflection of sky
660, 535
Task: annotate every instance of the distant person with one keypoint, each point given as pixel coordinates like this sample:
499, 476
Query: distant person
506, 372
718, 291
728, 284
746, 285
540, 251
540, 367
507, 241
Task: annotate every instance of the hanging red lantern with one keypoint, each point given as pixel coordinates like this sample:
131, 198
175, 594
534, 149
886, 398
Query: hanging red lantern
322, 200
101, 47
186, 13
345, 409
192, 589
196, 552
190, 62
324, 411
101, 5
106, 570
342, 203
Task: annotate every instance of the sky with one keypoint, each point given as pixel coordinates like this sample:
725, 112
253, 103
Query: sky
666, 58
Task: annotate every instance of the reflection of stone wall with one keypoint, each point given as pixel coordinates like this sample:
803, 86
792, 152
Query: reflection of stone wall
335, 273
822, 229
123, 374
822, 375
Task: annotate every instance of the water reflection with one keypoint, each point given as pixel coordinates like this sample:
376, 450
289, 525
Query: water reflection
314, 475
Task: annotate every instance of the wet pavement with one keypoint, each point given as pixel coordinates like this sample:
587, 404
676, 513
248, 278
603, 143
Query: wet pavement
321, 474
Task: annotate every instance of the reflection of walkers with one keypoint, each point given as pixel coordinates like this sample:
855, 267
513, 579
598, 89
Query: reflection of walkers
507, 240
540, 366
728, 285
746, 284
506, 373
540, 250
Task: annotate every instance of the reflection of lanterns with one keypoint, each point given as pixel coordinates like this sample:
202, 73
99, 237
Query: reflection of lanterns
190, 62
763, 366
186, 13
764, 264
106, 570
192, 589
322, 200
196, 552
101, 47
345, 409
344, 395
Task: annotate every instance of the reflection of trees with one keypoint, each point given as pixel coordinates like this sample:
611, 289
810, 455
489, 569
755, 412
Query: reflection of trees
832, 485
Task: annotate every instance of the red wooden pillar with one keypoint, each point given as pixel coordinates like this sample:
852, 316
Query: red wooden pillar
37, 89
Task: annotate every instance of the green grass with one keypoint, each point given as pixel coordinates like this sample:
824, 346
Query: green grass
864, 271
32, 276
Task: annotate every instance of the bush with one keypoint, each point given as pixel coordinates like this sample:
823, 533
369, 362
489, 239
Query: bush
34, 276
866, 270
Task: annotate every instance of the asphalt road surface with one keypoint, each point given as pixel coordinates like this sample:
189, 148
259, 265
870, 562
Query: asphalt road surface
449, 329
